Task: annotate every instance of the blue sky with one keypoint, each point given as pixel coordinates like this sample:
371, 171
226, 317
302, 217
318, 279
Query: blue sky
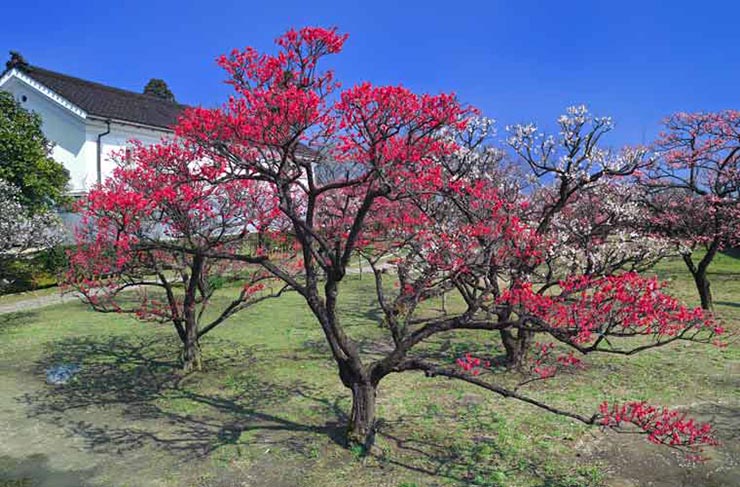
516, 60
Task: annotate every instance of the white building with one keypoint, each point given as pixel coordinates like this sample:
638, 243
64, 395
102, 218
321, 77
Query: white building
86, 121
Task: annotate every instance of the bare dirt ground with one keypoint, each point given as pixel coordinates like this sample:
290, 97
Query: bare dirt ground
633, 462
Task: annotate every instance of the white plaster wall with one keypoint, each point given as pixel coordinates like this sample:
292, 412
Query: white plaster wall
63, 128
116, 141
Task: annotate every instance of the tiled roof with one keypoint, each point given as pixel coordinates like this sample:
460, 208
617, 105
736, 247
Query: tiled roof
107, 102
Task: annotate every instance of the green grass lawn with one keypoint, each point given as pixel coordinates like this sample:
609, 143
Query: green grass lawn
269, 408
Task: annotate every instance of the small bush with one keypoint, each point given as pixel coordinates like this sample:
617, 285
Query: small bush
37, 271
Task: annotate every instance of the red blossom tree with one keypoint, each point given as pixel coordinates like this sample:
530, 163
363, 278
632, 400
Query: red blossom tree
695, 188
407, 187
156, 236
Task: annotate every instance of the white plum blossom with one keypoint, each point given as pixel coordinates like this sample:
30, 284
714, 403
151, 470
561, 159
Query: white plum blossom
475, 154
481, 127
576, 153
21, 232
603, 231
576, 117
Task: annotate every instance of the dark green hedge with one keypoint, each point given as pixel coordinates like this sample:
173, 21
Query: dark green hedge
37, 271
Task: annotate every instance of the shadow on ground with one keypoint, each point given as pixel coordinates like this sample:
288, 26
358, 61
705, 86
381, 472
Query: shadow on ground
136, 382
35, 471
130, 397
130, 401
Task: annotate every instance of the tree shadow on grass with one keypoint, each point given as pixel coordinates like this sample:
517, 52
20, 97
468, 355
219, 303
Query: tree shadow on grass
371, 349
362, 315
130, 394
137, 396
734, 253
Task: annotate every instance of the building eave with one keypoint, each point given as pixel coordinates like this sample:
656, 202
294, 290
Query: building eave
130, 123
44, 90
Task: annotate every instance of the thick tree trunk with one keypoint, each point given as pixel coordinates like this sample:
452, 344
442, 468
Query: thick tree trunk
699, 273
361, 428
191, 360
354, 376
705, 293
191, 357
516, 346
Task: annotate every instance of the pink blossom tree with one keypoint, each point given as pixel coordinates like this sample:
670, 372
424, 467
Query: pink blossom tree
410, 193
694, 189
156, 241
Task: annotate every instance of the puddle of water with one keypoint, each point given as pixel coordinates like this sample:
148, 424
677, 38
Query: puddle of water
59, 374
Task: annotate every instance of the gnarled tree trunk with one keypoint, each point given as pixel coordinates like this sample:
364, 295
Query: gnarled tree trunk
361, 428
191, 356
703, 287
191, 352
516, 346
354, 376
699, 273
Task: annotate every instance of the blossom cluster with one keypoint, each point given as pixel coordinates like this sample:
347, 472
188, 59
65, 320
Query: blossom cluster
621, 305
469, 363
543, 367
662, 425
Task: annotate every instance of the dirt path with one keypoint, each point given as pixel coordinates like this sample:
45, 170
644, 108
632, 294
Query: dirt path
36, 302
44, 300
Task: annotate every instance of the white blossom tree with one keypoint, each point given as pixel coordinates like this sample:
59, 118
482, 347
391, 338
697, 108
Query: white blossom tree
21, 232
578, 200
